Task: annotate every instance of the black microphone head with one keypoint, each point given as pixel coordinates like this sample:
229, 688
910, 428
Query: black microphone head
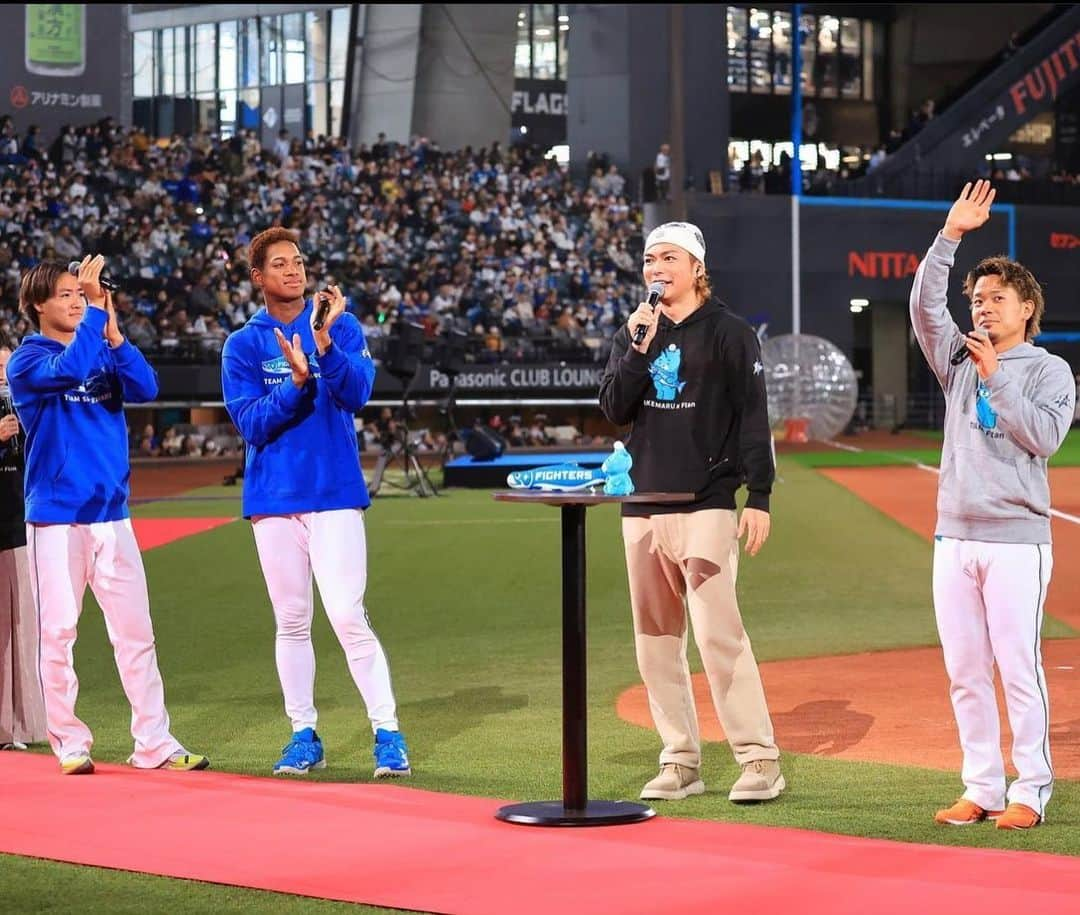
656, 292
103, 281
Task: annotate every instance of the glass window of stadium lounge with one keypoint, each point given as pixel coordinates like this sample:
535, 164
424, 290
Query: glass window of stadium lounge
840, 76
219, 76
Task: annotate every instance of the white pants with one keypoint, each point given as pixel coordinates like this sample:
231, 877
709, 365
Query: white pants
332, 544
64, 558
988, 599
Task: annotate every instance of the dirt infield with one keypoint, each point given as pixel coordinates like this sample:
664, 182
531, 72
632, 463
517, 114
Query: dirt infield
888, 706
908, 495
893, 706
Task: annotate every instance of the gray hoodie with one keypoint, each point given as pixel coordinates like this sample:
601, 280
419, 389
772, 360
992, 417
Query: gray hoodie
998, 434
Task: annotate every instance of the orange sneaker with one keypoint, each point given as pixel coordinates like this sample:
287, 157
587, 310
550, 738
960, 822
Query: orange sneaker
1018, 816
964, 813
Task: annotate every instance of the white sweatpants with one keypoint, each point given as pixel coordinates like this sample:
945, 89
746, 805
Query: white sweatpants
988, 599
332, 544
64, 558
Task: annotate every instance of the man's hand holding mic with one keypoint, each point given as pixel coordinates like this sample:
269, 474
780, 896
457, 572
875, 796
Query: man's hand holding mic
644, 321
9, 428
329, 306
980, 348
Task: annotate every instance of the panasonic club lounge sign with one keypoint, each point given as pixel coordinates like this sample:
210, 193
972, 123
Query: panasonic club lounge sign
551, 377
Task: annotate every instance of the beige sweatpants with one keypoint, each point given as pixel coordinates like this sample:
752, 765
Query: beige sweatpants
681, 561
22, 707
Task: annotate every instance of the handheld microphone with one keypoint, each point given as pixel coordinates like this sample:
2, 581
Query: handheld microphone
323, 311
106, 283
7, 408
961, 354
655, 291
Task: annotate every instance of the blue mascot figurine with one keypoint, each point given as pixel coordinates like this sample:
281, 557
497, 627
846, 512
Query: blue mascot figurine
617, 467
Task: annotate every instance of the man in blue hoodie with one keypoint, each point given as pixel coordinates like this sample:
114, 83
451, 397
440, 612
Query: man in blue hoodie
69, 383
293, 378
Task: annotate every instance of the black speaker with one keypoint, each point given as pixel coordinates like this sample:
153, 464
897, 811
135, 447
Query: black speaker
484, 445
404, 349
450, 352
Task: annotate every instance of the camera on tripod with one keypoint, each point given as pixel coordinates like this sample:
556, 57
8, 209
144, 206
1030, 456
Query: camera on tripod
404, 350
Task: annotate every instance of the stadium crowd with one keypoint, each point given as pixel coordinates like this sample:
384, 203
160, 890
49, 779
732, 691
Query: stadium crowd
500, 243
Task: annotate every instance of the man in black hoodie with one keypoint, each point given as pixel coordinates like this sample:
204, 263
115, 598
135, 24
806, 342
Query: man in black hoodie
693, 391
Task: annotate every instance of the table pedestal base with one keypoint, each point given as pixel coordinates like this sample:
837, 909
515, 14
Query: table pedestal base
596, 813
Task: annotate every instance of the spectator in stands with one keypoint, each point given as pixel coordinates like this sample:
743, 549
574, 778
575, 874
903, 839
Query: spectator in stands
662, 171
538, 435
149, 443
478, 238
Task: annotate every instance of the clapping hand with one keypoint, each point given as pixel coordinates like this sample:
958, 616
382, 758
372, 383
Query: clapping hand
294, 355
112, 326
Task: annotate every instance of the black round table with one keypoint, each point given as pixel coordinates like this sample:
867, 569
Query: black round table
575, 809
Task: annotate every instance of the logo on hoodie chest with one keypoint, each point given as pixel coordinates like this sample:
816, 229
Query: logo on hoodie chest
985, 415
275, 371
97, 388
667, 372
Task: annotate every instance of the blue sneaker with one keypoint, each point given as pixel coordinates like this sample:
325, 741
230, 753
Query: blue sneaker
303, 752
391, 754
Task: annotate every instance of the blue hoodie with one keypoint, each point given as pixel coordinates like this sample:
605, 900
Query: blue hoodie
70, 399
301, 442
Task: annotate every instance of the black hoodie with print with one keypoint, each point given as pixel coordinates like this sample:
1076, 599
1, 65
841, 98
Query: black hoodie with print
696, 405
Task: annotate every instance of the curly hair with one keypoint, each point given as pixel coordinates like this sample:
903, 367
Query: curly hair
1017, 276
261, 242
38, 285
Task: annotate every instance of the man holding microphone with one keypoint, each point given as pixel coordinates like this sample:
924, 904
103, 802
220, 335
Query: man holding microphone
687, 375
69, 383
1008, 407
293, 378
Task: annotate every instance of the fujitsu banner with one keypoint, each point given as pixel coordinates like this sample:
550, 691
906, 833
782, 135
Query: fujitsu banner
549, 378
1034, 80
62, 63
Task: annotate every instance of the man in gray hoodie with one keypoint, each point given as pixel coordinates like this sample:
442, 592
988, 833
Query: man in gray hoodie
1009, 405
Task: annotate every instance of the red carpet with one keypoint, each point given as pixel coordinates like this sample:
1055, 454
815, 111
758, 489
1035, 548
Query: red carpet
152, 532
406, 848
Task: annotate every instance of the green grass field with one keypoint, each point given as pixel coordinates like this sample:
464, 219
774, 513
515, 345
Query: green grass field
465, 594
1067, 456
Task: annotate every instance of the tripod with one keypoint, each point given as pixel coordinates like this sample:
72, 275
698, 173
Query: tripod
447, 409
397, 447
